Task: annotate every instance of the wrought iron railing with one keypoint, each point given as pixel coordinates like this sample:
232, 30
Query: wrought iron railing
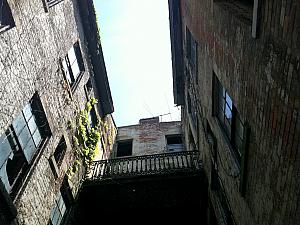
186, 161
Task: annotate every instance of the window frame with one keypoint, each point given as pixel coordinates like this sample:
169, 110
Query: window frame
175, 147
228, 128
123, 142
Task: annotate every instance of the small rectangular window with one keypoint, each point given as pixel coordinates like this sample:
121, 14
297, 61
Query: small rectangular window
60, 151
93, 120
124, 148
174, 143
72, 65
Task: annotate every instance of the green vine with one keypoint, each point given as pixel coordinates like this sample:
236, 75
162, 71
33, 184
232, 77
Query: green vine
86, 138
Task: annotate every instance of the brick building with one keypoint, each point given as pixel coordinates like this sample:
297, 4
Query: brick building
148, 137
236, 76
55, 106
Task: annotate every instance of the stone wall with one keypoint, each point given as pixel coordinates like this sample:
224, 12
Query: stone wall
148, 137
30, 56
262, 77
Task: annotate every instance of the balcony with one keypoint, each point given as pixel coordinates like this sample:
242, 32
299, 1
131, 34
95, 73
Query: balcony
137, 166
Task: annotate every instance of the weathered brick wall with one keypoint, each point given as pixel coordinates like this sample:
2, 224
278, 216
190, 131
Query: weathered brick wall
148, 138
29, 62
262, 77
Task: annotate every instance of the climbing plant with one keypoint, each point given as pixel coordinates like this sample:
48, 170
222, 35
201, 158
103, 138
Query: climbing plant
86, 137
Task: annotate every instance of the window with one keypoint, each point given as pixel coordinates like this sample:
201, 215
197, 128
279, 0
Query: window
73, 65
58, 156
124, 148
58, 211
191, 51
217, 188
174, 143
60, 151
93, 117
62, 204
6, 19
20, 143
229, 118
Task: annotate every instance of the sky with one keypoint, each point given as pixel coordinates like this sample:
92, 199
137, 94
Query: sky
135, 39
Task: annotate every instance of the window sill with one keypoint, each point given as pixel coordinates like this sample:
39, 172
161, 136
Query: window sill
242, 11
4, 28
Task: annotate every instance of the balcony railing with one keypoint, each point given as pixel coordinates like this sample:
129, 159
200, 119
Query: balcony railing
167, 163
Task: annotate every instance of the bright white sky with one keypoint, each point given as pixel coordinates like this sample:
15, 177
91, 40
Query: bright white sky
136, 45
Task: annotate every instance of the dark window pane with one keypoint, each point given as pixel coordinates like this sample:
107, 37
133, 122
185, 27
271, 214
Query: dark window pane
19, 123
14, 166
60, 151
238, 144
29, 150
24, 136
221, 116
228, 127
27, 112
124, 149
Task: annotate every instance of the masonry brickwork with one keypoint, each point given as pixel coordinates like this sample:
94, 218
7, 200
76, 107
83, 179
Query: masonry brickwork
149, 136
262, 77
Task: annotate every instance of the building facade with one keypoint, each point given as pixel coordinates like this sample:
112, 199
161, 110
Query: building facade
148, 137
236, 76
56, 107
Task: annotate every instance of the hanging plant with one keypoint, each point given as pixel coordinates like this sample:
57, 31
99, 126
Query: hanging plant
86, 138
